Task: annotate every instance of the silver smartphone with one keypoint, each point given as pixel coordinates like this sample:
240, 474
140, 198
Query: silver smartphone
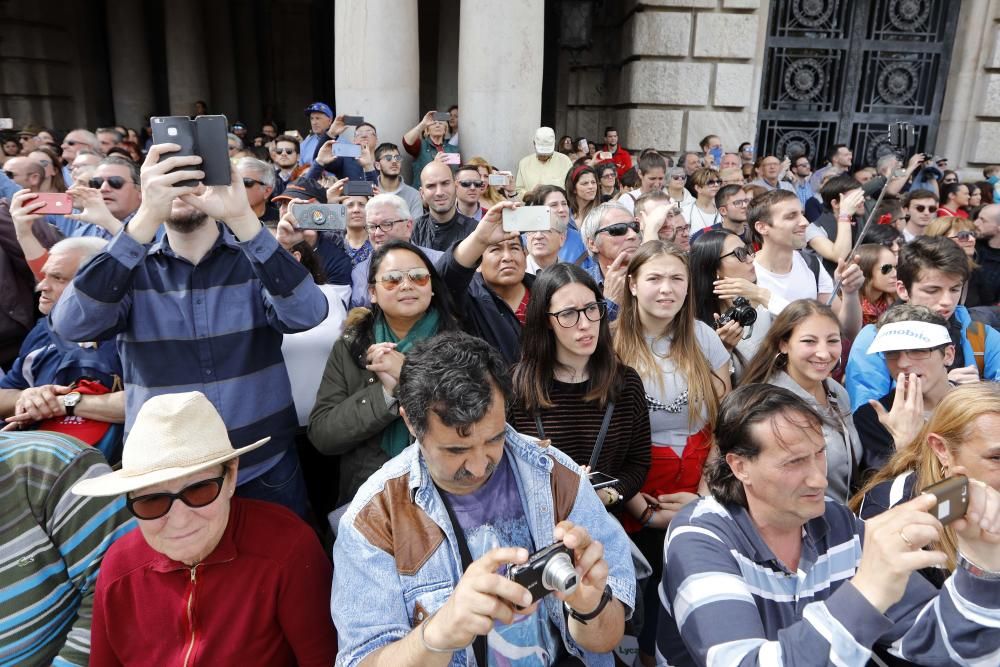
527, 219
321, 217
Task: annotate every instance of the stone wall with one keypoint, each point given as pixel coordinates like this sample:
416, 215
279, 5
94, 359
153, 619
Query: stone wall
680, 69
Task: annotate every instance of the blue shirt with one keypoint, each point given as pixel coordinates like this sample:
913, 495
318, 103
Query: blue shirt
595, 272
397, 559
214, 327
45, 358
718, 568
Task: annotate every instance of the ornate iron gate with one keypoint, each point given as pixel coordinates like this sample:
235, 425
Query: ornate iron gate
838, 71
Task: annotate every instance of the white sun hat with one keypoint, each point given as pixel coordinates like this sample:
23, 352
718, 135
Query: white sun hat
909, 336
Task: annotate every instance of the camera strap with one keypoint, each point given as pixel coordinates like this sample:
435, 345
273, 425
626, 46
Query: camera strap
479, 643
598, 444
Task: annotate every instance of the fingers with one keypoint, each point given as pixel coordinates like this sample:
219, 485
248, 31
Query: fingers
620, 260
156, 151
879, 409
494, 558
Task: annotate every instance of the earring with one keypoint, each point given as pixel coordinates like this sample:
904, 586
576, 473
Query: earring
836, 366
780, 360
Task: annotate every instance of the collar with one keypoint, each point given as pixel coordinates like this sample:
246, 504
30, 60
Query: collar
813, 531
225, 238
224, 551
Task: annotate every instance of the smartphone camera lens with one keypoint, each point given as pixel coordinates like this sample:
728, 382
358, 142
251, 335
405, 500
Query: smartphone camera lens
171, 131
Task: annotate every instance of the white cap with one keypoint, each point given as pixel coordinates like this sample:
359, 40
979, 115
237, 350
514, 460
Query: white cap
909, 336
545, 141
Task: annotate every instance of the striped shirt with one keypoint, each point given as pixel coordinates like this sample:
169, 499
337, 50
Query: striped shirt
717, 567
214, 327
52, 545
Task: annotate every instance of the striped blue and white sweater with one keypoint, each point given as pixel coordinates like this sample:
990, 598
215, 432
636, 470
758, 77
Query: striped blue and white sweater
726, 600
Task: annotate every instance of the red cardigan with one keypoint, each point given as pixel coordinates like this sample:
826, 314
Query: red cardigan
262, 597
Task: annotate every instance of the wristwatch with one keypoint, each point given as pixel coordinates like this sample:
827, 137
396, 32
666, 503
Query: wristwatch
70, 402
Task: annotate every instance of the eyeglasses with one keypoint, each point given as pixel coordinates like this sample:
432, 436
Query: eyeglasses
8, 174
886, 269
394, 279
619, 228
285, 151
471, 184
70, 142
678, 177
739, 203
233, 148
610, 174
714, 181
915, 355
921, 208
392, 158
155, 505
249, 183
116, 182
742, 254
385, 226
569, 317
964, 235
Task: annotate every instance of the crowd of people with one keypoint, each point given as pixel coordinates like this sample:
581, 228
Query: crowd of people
709, 384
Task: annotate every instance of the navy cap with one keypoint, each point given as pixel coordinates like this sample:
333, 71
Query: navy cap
321, 107
303, 189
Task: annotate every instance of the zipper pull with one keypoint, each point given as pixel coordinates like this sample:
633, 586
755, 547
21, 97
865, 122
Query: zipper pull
193, 570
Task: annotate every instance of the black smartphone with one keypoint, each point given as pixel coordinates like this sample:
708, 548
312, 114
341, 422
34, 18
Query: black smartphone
212, 144
353, 120
359, 189
321, 217
442, 116
599, 480
176, 130
952, 498
204, 136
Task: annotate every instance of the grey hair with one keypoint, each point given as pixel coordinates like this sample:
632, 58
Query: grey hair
595, 220
119, 137
884, 161
453, 375
263, 170
389, 199
84, 246
133, 168
89, 138
676, 171
239, 142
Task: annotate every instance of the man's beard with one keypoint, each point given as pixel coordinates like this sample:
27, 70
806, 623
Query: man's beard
186, 221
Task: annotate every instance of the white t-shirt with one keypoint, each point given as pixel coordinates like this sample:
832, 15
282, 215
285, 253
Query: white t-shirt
668, 404
698, 219
799, 283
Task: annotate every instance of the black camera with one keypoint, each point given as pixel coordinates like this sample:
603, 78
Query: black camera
547, 570
741, 311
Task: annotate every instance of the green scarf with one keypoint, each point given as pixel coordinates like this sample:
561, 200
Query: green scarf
396, 437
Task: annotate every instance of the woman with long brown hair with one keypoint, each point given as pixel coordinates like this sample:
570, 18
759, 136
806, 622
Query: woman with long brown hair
959, 434
878, 293
800, 351
685, 372
582, 190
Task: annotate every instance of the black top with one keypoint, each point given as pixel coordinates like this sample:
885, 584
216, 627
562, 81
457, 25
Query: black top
429, 233
877, 446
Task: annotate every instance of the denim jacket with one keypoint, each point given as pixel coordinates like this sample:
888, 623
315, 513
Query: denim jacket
396, 561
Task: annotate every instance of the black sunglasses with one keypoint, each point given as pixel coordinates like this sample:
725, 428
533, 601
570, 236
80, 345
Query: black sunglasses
920, 208
886, 269
285, 151
116, 182
249, 183
964, 235
714, 181
155, 505
619, 228
741, 254
471, 184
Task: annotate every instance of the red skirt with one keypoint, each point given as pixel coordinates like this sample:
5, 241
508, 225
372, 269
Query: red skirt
669, 473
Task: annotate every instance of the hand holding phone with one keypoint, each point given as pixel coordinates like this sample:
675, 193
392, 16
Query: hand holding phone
498, 180
359, 189
354, 121
452, 159
205, 136
341, 149
441, 116
321, 217
527, 219
952, 498
56, 203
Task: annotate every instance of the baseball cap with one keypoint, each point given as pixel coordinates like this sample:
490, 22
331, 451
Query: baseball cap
302, 189
321, 107
909, 336
545, 141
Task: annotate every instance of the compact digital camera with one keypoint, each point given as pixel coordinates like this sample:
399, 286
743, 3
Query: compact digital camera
549, 569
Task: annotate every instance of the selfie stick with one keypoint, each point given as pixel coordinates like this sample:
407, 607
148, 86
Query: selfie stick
861, 238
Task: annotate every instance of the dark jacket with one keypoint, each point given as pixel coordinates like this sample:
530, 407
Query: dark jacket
429, 233
483, 313
350, 412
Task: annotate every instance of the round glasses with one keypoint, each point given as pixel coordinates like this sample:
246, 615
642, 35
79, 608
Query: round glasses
569, 317
742, 254
385, 225
154, 505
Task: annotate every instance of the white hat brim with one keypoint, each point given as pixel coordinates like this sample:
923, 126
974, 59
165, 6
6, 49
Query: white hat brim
120, 482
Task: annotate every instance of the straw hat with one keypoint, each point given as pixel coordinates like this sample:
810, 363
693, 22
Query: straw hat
174, 435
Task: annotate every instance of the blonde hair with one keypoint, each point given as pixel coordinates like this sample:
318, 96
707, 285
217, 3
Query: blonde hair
491, 195
952, 420
691, 363
948, 225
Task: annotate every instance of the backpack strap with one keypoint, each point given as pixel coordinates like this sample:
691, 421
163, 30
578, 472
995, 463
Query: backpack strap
812, 261
976, 333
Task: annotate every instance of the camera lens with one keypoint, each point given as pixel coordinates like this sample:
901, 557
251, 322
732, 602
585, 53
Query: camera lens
559, 574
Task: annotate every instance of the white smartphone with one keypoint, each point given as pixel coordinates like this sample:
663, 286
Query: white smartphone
498, 179
527, 219
341, 149
599, 480
6, 123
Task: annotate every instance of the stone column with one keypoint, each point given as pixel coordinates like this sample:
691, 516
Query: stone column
128, 57
500, 78
447, 71
187, 71
377, 64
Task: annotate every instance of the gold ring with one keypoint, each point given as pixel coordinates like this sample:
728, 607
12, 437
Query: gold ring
906, 539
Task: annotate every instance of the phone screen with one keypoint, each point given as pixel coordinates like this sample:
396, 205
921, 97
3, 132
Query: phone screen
599, 480
341, 149
527, 219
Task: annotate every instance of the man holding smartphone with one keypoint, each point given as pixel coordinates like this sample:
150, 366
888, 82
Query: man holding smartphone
797, 578
620, 156
320, 118
234, 290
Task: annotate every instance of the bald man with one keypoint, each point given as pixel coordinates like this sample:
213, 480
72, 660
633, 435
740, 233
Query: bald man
442, 226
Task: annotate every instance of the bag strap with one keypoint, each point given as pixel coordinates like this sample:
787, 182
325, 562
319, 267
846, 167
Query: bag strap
479, 643
976, 333
598, 444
